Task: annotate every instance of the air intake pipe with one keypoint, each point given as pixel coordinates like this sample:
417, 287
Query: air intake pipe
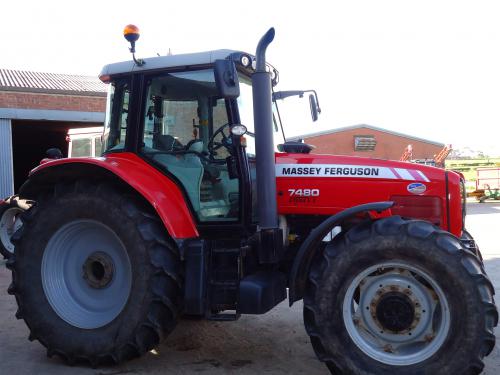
264, 141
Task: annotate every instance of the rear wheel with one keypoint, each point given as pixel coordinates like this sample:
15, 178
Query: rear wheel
95, 275
483, 198
399, 297
10, 222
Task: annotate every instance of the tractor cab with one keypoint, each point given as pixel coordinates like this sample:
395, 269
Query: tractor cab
171, 112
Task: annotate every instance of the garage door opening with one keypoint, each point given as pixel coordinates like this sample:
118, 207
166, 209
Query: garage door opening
32, 139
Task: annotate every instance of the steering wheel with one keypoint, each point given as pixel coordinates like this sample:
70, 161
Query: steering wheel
226, 141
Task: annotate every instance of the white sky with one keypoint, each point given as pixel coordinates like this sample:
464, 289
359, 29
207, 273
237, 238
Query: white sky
426, 68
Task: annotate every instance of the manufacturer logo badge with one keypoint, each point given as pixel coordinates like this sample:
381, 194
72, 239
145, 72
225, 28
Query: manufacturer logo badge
416, 188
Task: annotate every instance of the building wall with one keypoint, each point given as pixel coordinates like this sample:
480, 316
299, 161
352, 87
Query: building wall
389, 146
6, 167
25, 133
25, 100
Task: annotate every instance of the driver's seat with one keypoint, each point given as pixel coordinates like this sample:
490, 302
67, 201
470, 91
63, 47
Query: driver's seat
164, 142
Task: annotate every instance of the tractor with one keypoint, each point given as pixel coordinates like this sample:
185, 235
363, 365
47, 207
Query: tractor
199, 207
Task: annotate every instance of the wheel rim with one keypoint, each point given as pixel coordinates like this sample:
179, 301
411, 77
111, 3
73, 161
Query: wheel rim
86, 274
396, 314
10, 222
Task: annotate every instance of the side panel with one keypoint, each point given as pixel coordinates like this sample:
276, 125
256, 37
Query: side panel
326, 184
163, 194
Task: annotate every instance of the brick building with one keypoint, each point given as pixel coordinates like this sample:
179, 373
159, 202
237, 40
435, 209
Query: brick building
36, 111
370, 141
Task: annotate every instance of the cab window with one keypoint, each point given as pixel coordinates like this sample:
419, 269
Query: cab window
115, 126
186, 133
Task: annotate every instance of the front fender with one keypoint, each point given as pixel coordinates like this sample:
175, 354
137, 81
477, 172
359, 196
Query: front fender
159, 190
307, 251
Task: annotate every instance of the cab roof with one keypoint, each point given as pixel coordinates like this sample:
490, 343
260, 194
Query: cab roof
164, 62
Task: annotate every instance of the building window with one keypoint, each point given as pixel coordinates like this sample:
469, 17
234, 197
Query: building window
364, 143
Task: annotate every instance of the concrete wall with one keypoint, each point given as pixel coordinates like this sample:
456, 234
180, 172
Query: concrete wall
389, 146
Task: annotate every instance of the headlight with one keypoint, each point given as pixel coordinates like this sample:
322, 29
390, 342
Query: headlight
246, 61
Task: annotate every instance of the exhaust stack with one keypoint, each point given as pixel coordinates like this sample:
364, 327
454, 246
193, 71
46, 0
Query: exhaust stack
264, 142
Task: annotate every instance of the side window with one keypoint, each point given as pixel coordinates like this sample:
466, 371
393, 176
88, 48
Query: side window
117, 116
98, 146
185, 133
245, 108
81, 147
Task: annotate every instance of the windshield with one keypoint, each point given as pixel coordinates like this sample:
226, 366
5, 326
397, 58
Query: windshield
183, 109
245, 107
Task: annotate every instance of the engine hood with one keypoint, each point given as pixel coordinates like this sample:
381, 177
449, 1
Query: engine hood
327, 184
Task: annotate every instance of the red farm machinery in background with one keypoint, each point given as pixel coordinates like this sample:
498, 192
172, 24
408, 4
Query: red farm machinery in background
437, 161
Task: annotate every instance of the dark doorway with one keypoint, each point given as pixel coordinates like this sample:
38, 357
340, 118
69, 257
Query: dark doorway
31, 140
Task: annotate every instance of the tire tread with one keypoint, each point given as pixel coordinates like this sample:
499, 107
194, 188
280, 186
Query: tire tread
149, 332
415, 229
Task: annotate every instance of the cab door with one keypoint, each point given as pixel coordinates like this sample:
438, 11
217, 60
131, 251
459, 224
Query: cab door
185, 134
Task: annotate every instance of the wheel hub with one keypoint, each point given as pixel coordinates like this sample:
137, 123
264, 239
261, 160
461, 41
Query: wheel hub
86, 288
395, 312
98, 270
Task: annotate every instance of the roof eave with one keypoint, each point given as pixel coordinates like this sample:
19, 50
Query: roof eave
353, 127
34, 90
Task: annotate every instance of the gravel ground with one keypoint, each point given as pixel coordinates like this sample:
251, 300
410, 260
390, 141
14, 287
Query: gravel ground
274, 343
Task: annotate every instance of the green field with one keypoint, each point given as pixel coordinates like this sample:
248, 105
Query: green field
468, 167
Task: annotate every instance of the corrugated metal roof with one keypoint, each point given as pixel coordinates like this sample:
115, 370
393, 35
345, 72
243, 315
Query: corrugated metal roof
19, 80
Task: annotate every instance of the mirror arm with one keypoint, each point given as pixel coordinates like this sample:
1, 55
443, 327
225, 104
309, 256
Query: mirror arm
300, 93
285, 94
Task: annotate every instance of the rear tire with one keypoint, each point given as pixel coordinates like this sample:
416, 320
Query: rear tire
10, 222
436, 274
95, 275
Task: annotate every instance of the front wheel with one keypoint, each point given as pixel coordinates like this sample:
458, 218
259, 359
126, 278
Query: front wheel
399, 297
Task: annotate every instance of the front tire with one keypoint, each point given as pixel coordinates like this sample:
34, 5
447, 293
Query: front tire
399, 297
95, 275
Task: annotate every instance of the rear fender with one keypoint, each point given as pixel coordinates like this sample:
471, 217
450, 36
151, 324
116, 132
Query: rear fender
307, 251
129, 170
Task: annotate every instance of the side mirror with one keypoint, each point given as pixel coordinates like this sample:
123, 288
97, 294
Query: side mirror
314, 107
226, 79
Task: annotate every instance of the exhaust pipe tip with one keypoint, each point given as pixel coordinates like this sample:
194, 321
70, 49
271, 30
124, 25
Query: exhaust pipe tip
260, 55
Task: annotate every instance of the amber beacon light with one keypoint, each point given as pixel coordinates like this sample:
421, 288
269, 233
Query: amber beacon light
131, 33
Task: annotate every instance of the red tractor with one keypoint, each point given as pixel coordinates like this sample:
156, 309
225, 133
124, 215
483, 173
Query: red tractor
191, 210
